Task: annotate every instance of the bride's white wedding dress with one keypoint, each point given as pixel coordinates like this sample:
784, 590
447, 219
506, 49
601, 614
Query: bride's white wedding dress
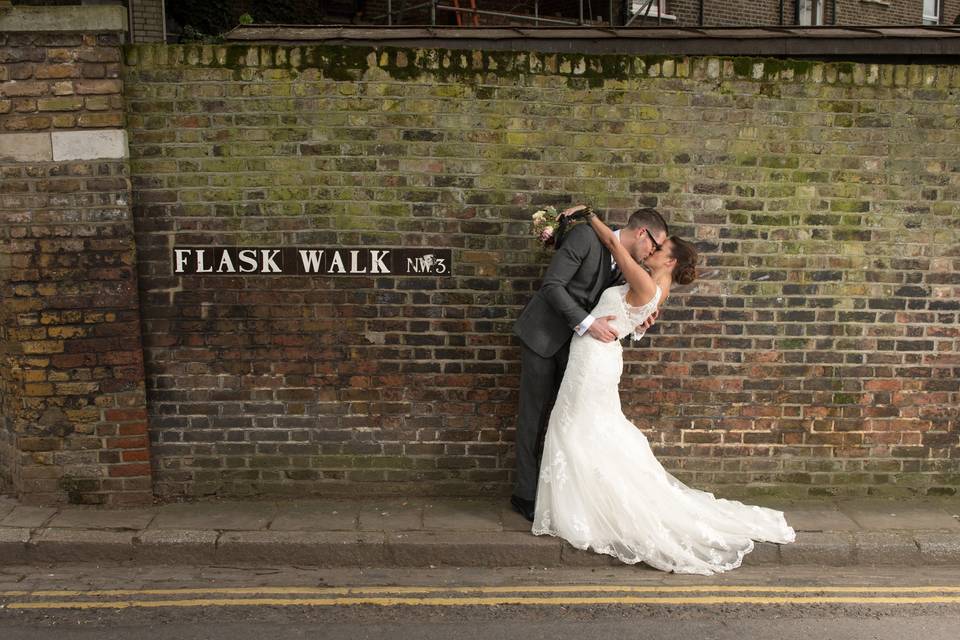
602, 488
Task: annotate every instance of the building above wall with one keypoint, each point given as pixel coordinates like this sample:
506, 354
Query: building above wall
642, 13
904, 43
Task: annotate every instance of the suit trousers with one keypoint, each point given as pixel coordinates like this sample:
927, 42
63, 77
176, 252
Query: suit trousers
539, 383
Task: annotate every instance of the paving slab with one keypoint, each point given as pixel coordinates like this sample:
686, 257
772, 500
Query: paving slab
391, 515
510, 520
31, 517
462, 515
825, 517
175, 546
80, 518
938, 548
570, 556
227, 516
464, 549
887, 547
80, 545
892, 515
326, 549
833, 549
317, 515
13, 544
763, 553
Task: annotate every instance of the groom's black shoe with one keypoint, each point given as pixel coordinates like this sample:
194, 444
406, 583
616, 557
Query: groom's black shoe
523, 507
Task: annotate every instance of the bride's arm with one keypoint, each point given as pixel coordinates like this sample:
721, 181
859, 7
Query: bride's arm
638, 279
664, 294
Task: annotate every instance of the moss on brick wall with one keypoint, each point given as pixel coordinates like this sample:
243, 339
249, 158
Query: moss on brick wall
817, 353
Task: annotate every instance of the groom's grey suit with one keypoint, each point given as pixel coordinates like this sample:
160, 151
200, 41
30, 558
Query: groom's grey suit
578, 273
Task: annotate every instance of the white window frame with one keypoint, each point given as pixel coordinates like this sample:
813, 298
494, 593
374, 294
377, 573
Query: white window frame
657, 10
932, 18
817, 14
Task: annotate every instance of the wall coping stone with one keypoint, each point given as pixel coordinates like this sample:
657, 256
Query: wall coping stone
95, 18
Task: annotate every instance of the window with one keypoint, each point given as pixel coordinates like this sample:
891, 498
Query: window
931, 11
656, 9
810, 12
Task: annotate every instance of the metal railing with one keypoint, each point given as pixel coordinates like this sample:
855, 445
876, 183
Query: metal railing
436, 5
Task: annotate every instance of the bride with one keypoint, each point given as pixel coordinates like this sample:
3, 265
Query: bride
600, 486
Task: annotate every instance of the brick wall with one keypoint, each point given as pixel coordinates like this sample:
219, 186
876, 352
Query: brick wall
727, 14
146, 19
71, 381
817, 354
876, 13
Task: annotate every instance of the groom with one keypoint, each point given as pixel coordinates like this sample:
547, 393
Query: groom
580, 270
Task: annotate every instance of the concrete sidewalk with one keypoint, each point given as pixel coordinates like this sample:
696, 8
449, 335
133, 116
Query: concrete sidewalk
420, 532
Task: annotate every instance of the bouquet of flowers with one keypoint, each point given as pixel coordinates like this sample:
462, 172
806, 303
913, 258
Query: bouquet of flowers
545, 225
549, 228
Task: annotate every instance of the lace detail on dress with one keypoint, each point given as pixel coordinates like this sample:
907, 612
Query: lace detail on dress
637, 315
555, 471
601, 487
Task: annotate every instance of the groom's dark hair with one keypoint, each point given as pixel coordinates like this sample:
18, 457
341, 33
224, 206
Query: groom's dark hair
648, 218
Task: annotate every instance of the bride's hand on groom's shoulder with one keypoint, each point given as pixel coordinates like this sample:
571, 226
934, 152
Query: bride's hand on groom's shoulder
572, 210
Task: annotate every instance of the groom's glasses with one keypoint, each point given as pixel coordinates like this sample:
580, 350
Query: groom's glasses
656, 245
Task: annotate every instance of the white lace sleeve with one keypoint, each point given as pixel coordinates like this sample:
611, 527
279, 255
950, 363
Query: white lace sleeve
637, 315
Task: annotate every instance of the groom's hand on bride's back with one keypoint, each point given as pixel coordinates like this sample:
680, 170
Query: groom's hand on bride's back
601, 330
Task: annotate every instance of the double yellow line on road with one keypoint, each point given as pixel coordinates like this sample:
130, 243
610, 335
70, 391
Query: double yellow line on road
523, 595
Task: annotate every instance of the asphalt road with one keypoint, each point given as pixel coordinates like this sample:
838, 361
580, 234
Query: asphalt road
239, 603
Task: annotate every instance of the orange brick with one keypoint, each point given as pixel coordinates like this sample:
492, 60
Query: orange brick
57, 71
37, 389
128, 470
132, 428
62, 55
122, 415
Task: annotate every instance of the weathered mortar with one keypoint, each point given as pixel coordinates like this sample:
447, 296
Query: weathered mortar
817, 354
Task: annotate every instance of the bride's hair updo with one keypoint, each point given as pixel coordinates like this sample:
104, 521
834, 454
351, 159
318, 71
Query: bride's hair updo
685, 271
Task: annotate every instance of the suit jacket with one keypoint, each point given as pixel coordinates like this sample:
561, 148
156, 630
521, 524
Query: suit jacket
578, 273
